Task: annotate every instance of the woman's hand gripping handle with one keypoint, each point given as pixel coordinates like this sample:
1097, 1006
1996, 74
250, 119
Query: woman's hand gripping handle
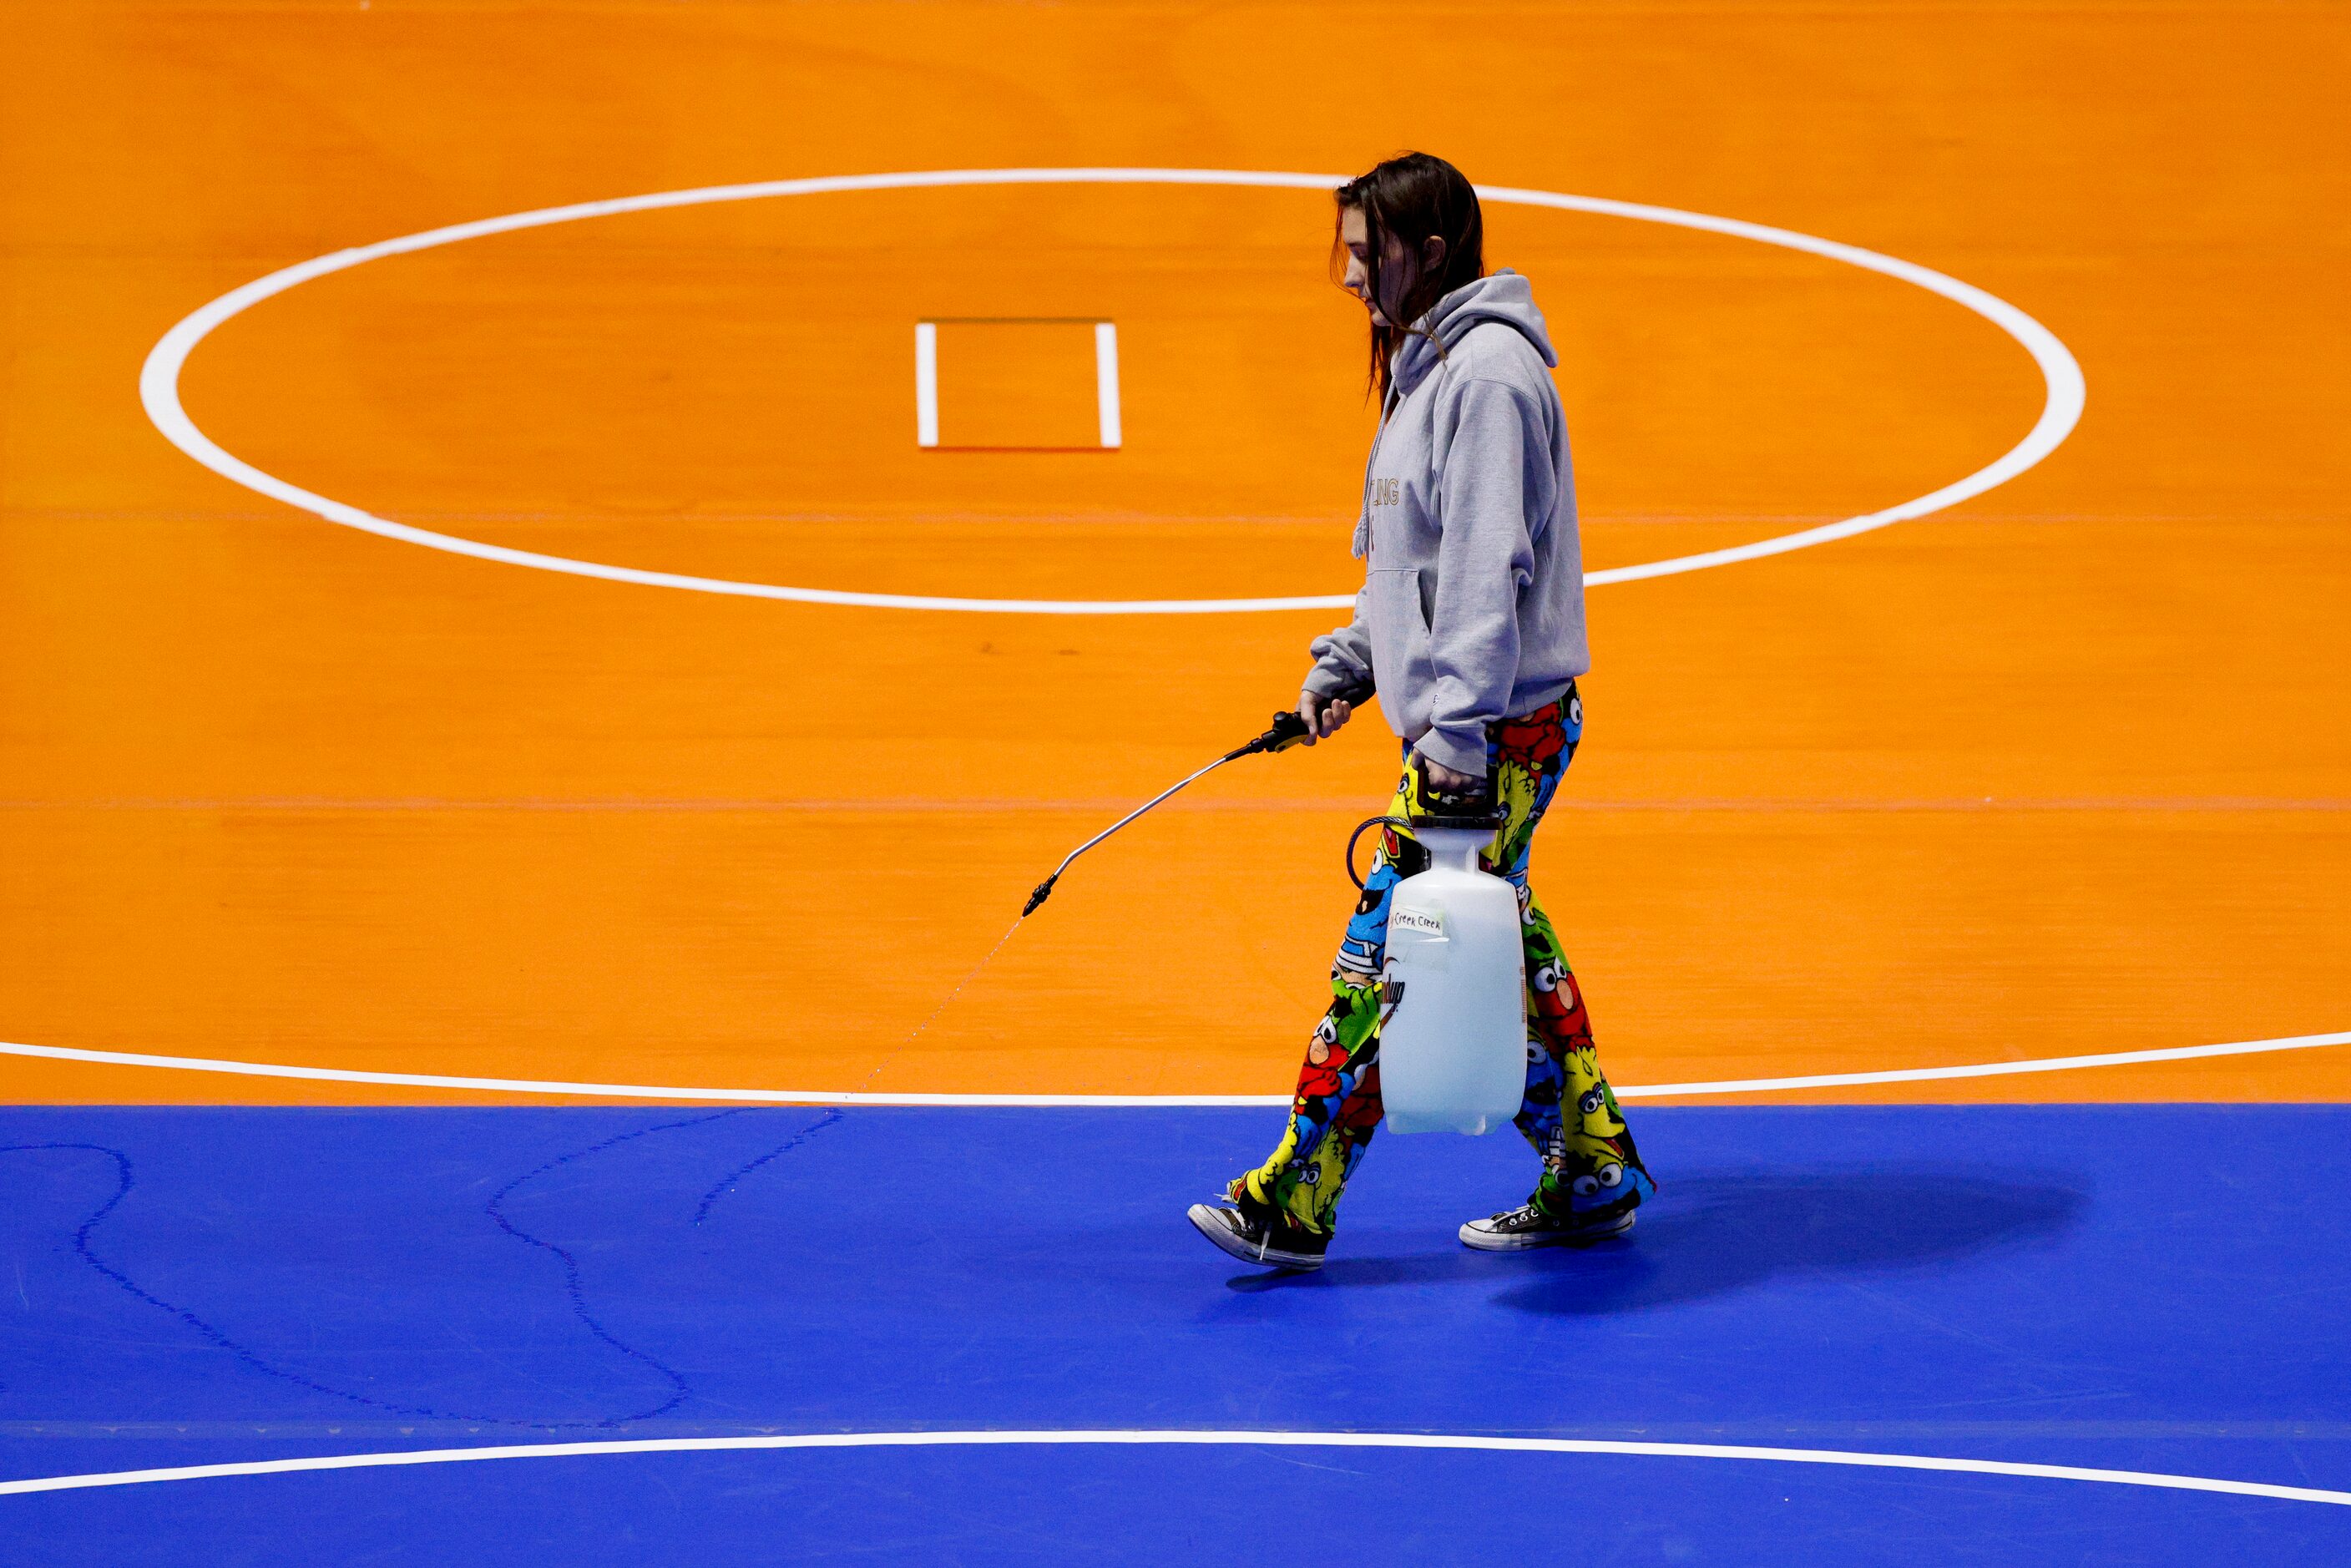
1322, 714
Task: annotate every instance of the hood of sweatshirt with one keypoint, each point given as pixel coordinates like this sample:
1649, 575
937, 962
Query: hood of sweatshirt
1502, 296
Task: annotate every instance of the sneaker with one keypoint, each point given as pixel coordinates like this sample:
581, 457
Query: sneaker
1255, 1232
1529, 1226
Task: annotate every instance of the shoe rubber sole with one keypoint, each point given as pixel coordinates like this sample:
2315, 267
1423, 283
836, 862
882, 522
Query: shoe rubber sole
1581, 1236
1213, 1224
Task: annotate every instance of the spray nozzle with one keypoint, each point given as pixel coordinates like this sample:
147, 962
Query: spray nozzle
1044, 891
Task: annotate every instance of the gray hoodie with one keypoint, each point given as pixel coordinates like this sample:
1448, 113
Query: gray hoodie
1472, 605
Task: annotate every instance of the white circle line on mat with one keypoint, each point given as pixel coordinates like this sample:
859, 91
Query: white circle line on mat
1206, 1439
159, 381
1163, 1102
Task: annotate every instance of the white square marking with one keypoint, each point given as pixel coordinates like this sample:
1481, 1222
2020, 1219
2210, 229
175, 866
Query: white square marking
1106, 380
926, 384
1110, 427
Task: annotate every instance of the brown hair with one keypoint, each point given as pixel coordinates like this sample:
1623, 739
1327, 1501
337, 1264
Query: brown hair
1414, 197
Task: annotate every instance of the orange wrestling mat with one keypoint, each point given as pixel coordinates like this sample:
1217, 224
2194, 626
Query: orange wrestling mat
2060, 769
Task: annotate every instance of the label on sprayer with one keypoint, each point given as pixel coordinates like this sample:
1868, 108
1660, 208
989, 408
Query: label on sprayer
1416, 920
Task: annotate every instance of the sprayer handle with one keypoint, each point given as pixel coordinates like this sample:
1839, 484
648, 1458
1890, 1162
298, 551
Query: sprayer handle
1478, 807
1288, 730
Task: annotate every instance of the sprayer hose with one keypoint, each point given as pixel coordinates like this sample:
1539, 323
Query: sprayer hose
1358, 833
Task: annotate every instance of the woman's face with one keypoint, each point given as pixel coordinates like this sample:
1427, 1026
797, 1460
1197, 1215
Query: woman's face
1355, 234
1399, 271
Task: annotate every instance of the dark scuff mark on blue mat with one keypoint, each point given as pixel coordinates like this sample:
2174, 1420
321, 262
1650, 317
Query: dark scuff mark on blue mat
243, 1354
574, 1290
729, 1182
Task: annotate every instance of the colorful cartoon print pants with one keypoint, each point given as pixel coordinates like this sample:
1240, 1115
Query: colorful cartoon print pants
1569, 1114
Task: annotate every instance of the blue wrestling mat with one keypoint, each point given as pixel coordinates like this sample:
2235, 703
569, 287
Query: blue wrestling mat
2154, 1289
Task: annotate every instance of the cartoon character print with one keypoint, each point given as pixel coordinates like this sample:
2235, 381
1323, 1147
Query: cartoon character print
1593, 1175
1363, 950
1592, 1163
1527, 758
1344, 1037
1556, 1024
1334, 1111
1523, 798
1539, 743
1589, 1159
1554, 1007
1568, 1113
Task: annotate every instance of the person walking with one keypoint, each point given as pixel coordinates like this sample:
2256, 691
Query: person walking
1470, 627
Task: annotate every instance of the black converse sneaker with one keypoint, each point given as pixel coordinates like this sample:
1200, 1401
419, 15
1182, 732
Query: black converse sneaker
1531, 1225
1258, 1232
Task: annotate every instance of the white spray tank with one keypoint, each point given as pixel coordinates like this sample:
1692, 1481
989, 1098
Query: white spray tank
1453, 1045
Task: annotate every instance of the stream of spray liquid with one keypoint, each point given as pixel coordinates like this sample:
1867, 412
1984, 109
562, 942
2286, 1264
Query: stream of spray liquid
944, 1002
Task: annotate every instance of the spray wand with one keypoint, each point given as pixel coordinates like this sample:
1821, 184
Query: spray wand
1288, 730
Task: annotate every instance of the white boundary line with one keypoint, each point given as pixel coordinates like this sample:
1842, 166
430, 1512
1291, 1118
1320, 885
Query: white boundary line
158, 380
1214, 1438
926, 384
1988, 1069
1167, 1102
1106, 383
